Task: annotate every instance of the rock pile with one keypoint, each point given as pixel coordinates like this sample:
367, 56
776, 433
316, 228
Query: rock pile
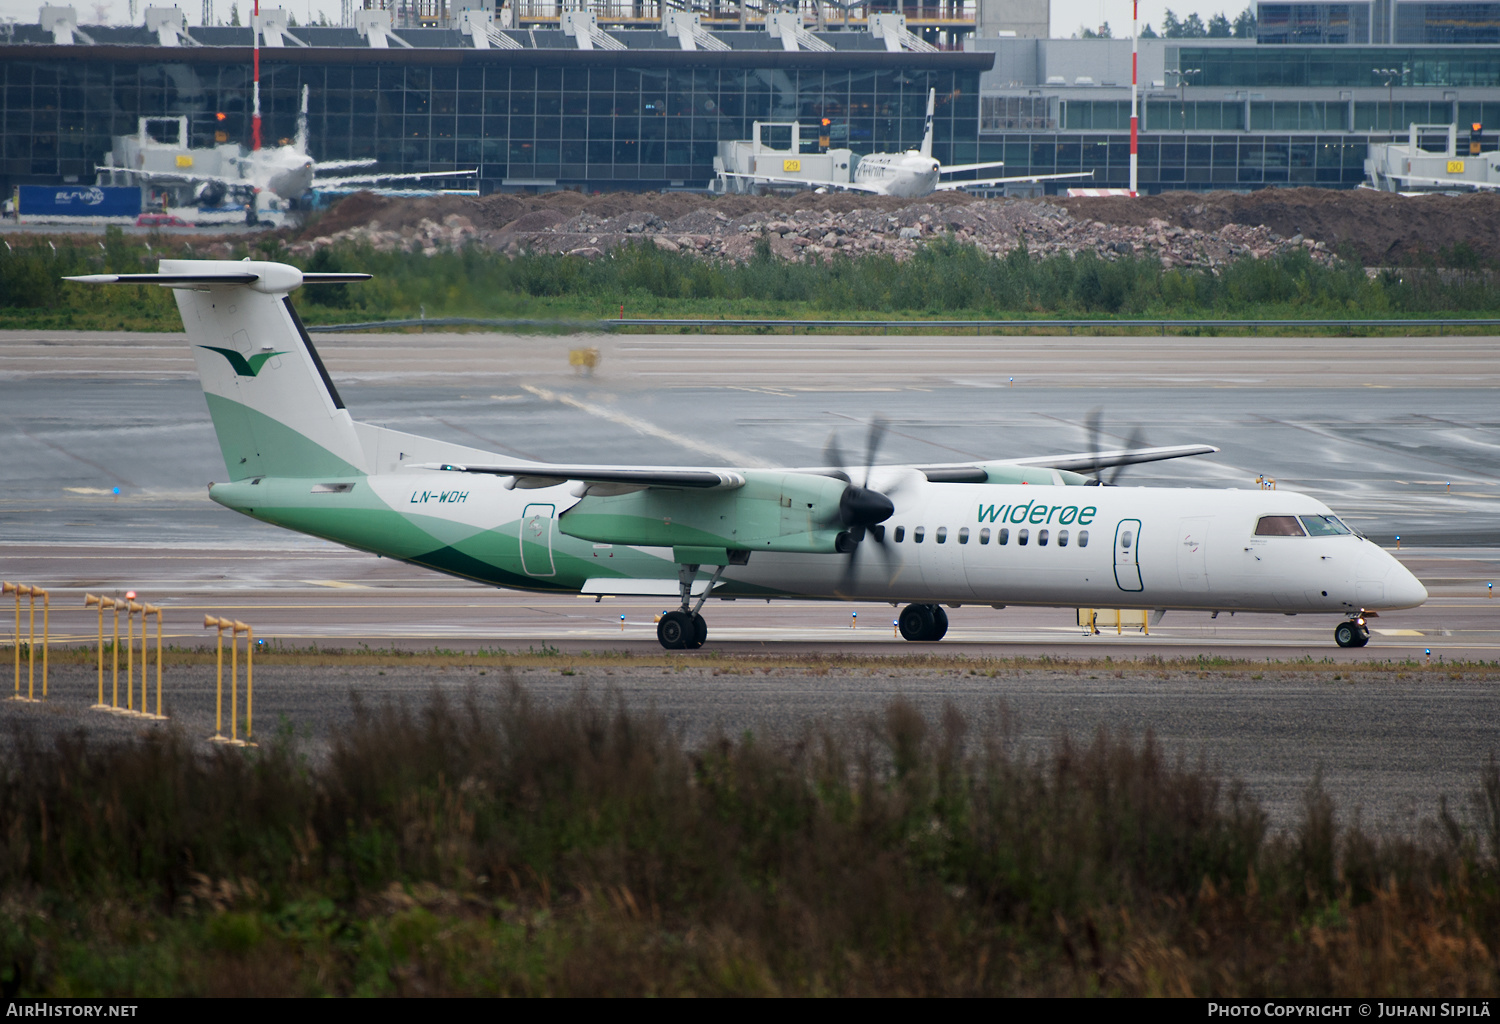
995, 226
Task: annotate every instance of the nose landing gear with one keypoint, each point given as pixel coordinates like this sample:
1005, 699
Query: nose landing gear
1353, 633
923, 622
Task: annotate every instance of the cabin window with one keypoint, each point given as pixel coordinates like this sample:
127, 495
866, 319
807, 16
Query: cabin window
1041, 538
1324, 526
900, 534
1021, 537
1003, 537
1126, 539
918, 533
1083, 538
942, 535
984, 535
1278, 526
1062, 538
963, 535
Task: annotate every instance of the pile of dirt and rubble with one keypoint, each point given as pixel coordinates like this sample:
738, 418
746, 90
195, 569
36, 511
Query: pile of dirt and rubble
1182, 229
1383, 228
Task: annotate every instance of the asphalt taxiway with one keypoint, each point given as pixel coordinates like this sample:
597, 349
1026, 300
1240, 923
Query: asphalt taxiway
108, 448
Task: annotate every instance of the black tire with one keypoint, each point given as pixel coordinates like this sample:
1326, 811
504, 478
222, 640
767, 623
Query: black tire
939, 623
915, 622
699, 635
1346, 634
673, 630
1364, 635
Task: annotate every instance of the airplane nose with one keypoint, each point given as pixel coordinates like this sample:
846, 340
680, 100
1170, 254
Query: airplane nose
1402, 589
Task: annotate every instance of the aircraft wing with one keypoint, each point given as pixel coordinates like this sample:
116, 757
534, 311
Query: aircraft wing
548, 474
974, 472
811, 182
956, 168
945, 186
1450, 182
370, 179
342, 165
181, 175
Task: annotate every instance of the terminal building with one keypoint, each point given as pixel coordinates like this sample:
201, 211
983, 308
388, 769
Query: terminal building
619, 95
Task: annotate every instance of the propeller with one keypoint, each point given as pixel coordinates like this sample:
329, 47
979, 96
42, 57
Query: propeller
861, 507
1092, 425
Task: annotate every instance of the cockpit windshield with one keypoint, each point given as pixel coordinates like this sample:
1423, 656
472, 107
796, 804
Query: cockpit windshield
1278, 526
1324, 526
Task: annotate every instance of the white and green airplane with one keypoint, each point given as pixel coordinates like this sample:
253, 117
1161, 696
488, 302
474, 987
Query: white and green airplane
1027, 531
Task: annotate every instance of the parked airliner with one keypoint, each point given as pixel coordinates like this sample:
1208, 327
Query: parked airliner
1029, 531
911, 174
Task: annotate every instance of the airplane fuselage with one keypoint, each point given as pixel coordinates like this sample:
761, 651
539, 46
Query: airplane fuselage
1107, 547
909, 174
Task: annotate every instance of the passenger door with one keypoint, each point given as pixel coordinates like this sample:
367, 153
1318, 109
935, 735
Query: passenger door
536, 540
1127, 557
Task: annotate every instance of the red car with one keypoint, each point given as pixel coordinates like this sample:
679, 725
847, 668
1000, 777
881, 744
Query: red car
160, 220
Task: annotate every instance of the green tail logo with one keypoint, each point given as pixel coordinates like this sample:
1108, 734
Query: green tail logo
243, 367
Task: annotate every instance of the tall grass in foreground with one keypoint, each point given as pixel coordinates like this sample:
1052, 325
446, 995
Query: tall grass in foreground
504, 847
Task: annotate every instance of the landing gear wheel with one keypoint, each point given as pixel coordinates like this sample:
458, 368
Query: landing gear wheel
939, 622
915, 622
679, 631
673, 630
1351, 634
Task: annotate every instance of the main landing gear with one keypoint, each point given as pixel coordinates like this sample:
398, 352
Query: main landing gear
684, 629
927, 622
1353, 633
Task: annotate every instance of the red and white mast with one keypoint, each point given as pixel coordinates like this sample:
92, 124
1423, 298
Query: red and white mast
255, 114
1135, 14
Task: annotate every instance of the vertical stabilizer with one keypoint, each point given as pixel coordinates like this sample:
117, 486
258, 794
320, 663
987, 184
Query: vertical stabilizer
927, 125
274, 407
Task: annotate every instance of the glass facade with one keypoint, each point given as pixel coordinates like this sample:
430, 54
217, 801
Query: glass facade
1312, 24
1187, 161
602, 127
1348, 67
1418, 24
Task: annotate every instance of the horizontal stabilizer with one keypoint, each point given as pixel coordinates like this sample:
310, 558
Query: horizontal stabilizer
165, 279
546, 474
271, 278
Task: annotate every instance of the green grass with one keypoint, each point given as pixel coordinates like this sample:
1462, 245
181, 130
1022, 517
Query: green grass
945, 280
502, 847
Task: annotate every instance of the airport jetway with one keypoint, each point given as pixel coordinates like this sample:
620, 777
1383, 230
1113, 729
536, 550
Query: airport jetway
1409, 167
739, 159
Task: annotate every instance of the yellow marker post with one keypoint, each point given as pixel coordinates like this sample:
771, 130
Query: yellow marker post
854, 620
90, 601
37, 592
10, 588
130, 609
249, 680
114, 657
152, 609
209, 622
